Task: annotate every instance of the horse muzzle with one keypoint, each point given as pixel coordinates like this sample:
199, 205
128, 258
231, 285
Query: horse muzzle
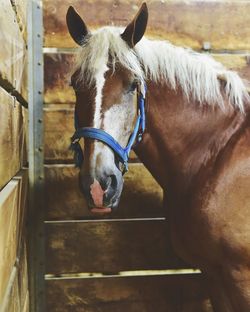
102, 194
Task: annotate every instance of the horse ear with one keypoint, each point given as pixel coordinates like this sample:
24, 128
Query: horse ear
136, 29
76, 26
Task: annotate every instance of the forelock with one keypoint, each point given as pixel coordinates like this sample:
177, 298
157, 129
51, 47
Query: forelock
103, 49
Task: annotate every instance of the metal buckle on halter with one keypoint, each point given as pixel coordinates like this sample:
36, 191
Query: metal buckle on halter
139, 137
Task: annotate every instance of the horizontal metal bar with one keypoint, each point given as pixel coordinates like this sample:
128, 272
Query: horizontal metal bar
92, 275
104, 220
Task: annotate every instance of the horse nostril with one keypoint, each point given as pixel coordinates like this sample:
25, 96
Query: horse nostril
113, 183
109, 183
110, 188
106, 185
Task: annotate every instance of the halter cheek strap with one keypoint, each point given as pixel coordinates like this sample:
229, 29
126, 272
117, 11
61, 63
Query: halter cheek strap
104, 137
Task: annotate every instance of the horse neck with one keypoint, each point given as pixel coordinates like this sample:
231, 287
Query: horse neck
183, 137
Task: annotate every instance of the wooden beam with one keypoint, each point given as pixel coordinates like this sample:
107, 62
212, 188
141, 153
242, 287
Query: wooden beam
134, 294
109, 247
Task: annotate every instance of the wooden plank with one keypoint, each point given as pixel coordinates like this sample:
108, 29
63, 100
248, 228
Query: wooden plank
13, 50
189, 23
22, 179
59, 127
16, 293
142, 196
8, 230
12, 211
58, 68
13, 304
23, 278
26, 304
109, 247
183, 293
12, 137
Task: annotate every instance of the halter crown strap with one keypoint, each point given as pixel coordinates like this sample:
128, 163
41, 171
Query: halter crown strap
103, 136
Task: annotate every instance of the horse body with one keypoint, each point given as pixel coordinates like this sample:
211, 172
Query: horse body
196, 145
201, 159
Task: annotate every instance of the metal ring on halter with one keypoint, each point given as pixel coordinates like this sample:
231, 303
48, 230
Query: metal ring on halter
103, 136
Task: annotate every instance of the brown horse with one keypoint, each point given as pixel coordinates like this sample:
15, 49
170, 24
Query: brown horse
196, 144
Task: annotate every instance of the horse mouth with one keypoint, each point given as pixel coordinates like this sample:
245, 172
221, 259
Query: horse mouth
101, 210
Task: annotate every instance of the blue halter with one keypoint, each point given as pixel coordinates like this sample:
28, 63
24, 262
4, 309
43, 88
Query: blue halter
103, 136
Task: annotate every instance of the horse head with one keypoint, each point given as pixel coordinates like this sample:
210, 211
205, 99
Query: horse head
107, 115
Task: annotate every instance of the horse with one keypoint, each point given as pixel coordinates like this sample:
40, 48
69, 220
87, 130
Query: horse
195, 114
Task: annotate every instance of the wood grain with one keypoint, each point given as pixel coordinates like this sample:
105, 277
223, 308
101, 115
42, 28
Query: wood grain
13, 204
109, 247
8, 233
183, 293
16, 297
142, 196
21, 8
22, 277
13, 303
188, 23
58, 68
13, 52
59, 127
12, 137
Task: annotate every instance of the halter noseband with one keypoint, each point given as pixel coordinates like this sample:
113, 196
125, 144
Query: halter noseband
103, 136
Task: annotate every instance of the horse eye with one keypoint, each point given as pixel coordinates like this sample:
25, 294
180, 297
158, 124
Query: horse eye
133, 86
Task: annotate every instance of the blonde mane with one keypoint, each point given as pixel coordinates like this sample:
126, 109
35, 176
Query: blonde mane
196, 74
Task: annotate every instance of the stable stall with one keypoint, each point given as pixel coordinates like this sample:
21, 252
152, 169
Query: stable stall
77, 262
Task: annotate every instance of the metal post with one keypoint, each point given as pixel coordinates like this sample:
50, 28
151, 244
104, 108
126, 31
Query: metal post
36, 158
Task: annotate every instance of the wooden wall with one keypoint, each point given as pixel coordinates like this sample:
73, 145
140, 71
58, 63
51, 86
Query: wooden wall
13, 157
84, 255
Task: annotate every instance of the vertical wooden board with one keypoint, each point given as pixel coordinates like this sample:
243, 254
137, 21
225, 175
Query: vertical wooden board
13, 49
15, 298
58, 69
23, 277
12, 210
189, 23
8, 230
25, 145
22, 179
12, 137
13, 304
26, 304
141, 197
176, 293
